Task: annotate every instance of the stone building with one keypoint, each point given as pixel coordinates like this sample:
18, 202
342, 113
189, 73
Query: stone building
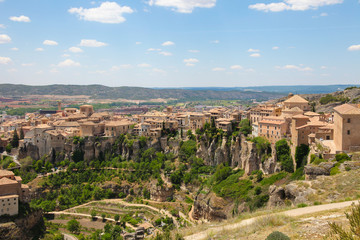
347, 128
11, 192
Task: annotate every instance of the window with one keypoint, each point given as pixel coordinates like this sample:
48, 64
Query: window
348, 120
348, 132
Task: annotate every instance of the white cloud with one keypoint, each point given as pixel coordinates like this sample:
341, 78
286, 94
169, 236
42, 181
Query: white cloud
14, 49
351, 48
218, 69
215, 41
11, 70
91, 43
39, 49
165, 53
323, 67
194, 51
183, 6
21, 18
275, 48
2, 26
50, 43
4, 38
75, 50
236, 67
27, 64
68, 63
253, 50
294, 67
53, 70
138, 43
5, 60
324, 14
190, 62
168, 43
65, 55
255, 55
108, 12
154, 50
293, 5
144, 65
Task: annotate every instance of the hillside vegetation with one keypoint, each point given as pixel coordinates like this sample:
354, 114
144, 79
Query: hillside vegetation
132, 93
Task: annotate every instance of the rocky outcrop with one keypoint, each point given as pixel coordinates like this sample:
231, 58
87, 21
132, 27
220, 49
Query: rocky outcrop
211, 207
161, 193
350, 165
294, 193
24, 228
239, 153
312, 171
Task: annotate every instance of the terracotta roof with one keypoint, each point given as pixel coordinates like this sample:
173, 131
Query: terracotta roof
311, 114
347, 109
6, 173
296, 99
6, 181
300, 116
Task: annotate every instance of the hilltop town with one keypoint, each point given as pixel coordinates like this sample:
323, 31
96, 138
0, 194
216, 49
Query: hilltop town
207, 156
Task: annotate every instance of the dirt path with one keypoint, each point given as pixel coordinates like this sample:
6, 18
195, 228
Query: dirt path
88, 215
290, 213
122, 202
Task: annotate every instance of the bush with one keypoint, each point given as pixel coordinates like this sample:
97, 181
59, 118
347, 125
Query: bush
335, 170
73, 226
338, 232
245, 127
342, 157
277, 236
302, 205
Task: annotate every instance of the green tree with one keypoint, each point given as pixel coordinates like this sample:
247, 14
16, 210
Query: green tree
245, 127
301, 154
21, 133
284, 155
73, 226
15, 140
93, 214
116, 217
8, 148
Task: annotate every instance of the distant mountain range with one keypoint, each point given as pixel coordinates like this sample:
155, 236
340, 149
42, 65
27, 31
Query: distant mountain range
190, 94
296, 89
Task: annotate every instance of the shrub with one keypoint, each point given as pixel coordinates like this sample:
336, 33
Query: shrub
335, 170
245, 127
342, 157
93, 214
73, 226
301, 205
338, 232
277, 236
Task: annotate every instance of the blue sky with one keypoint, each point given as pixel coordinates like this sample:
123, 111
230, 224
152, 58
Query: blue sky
180, 43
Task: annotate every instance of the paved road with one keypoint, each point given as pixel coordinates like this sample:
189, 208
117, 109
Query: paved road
69, 237
291, 213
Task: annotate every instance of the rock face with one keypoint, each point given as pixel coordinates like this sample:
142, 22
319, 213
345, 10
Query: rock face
292, 192
161, 193
211, 207
312, 171
22, 228
238, 153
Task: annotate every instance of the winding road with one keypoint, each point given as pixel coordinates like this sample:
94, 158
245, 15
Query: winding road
291, 213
